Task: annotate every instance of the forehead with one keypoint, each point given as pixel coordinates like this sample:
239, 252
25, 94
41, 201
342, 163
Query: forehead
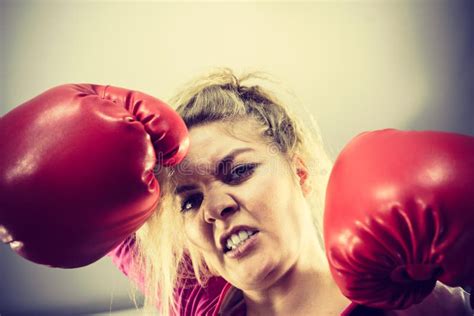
217, 145
211, 142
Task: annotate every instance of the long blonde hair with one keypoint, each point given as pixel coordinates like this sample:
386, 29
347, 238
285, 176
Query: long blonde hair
164, 259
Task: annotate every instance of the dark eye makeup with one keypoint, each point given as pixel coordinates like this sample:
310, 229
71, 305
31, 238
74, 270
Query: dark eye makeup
193, 201
239, 173
236, 176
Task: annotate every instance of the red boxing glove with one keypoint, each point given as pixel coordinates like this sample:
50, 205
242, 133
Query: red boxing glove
76, 170
400, 215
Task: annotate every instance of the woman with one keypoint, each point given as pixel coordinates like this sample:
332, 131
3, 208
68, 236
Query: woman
238, 229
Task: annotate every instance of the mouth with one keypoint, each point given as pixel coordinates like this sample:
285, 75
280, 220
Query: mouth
236, 238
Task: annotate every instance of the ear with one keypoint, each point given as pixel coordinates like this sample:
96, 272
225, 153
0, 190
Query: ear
302, 173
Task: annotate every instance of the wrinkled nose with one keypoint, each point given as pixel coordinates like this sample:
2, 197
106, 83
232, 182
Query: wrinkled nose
218, 206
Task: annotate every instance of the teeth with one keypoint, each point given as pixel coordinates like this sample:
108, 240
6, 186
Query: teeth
235, 239
229, 244
243, 235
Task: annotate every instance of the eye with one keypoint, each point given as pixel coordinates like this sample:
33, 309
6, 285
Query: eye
240, 173
191, 202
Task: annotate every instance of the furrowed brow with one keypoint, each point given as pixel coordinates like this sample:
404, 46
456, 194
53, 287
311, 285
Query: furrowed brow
229, 159
184, 188
223, 163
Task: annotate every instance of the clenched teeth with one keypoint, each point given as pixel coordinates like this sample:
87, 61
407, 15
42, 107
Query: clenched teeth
236, 239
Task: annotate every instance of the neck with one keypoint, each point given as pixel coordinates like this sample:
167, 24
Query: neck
307, 288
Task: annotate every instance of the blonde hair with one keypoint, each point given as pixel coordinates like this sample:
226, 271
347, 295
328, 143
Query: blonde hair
163, 253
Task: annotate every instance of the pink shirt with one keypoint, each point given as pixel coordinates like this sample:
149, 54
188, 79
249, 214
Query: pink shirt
221, 298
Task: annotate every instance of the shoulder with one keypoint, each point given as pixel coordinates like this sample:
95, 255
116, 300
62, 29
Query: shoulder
444, 300
122, 255
194, 299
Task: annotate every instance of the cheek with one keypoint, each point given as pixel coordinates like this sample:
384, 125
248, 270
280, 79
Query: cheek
198, 233
275, 202
269, 195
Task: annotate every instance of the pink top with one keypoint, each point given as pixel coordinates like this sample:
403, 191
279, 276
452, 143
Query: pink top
221, 298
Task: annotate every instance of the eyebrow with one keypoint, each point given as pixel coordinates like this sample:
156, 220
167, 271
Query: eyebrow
225, 161
184, 188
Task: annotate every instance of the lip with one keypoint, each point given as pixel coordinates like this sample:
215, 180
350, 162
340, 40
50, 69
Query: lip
233, 230
244, 248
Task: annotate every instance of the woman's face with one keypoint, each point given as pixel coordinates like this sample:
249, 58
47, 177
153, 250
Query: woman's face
242, 208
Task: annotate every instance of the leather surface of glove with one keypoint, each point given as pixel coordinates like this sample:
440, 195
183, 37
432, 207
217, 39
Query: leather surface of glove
399, 215
76, 170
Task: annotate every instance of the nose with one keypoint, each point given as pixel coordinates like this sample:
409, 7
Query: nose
219, 205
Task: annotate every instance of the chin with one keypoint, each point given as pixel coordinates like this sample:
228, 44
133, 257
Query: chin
255, 277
